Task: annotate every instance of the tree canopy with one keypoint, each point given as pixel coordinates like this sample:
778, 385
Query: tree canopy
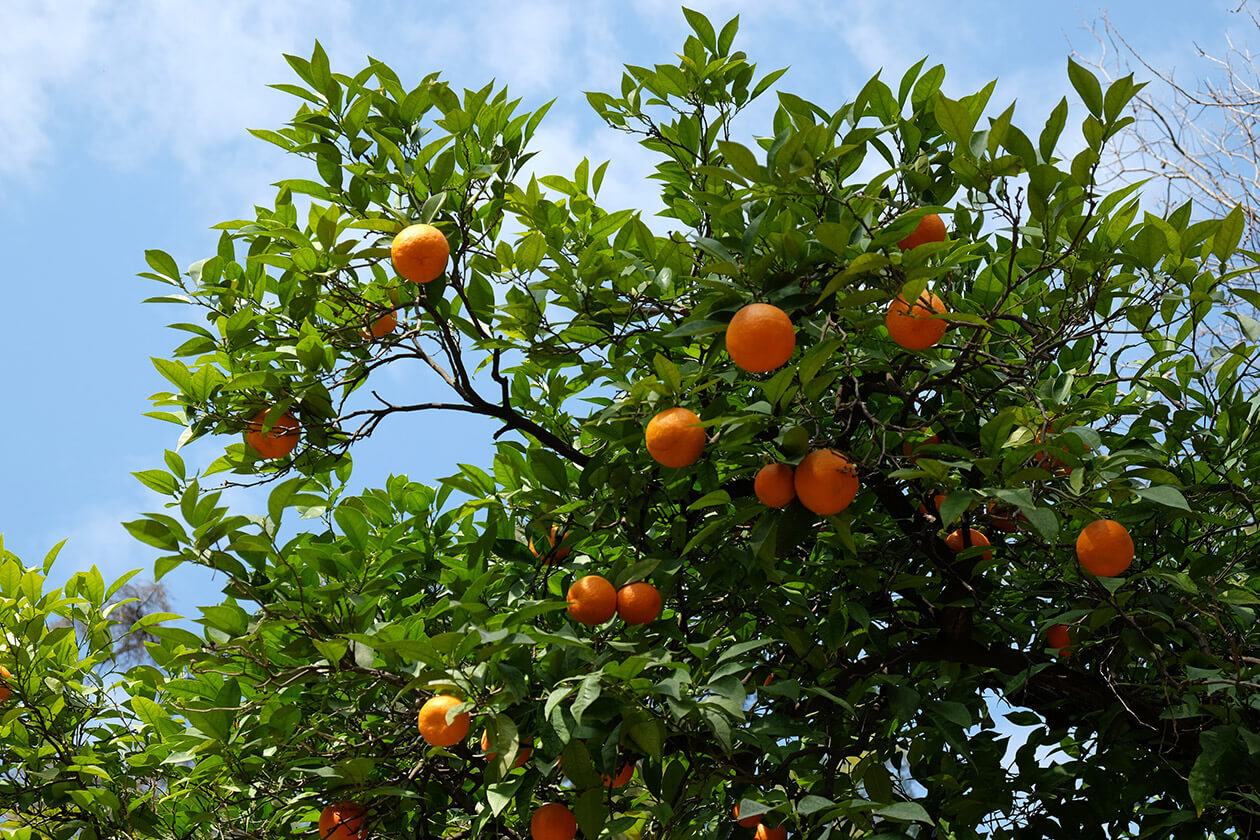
922, 651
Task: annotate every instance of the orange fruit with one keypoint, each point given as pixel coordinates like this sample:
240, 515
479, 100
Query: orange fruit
623, 776
955, 541
748, 822
420, 253
1058, 636
913, 327
279, 441
553, 821
825, 481
675, 437
760, 338
931, 228
522, 754
1002, 518
938, 500
384, 325
774, 485
592, 600
638, 603
342, 821
1104, 548
558, 554
5, 691
764, 832
433, 725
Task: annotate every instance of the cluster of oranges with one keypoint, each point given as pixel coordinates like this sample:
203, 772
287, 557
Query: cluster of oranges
593, 600
420, 253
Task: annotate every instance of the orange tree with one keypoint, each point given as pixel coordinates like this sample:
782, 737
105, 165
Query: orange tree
837, 665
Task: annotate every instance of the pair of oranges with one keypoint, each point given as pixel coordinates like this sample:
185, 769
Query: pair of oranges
593, 600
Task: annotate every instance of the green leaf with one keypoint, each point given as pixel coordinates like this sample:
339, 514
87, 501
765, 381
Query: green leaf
1165, 494
955, 120
904, 812
1086, 84
1229, 234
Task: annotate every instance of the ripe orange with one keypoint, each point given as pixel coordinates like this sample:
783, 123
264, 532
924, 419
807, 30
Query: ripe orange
384, 325
553, 821
955, 542
592, 600
342, 821
764, 832
931, 228
623, 776
5, 691
675, 437
420, 253
1104, 548
638, 603
1058, 636
279, 441
522, 754
1004, 519
913, 327
826, 482
760, 338
748, 822
937, 499
774, 485
553, 537
433, 725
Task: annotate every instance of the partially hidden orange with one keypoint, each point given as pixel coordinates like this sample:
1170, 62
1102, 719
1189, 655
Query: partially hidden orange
765, 832
957, 542
433, 725
420, 253
931, 228
826, 481
592, 600
775, 485
522, 753
621, 779
342, 821
915, 327
5, 691
278, 441
760, 338
675, 437
1059, 636
748, 822
1104, 548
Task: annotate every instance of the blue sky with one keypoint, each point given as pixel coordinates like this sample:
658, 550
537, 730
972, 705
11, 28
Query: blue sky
123, 127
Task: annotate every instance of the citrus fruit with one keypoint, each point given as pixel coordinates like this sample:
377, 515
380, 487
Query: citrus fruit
553, 821
774, 485
623, 776
522, 753
1004, 519
5, 691
748, 822
433, 725
638, 603
675, 437
760, 338
342, 821
592, 600
384, 325
554, 536
1104, 548
1058, 636
825, 481
420, 253
765, 832
931, 228
938, 500
281, 439
956, 542
913, 327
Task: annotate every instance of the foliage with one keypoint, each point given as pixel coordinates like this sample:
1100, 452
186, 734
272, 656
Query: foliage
845, 675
